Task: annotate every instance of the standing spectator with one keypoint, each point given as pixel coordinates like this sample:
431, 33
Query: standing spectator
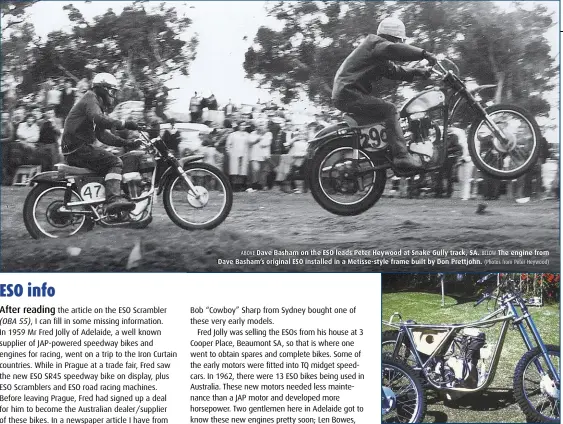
53, 94
277, 142
171, 137
38, 115
260, 145
211, 102
68, 96
229, 109
195, 108
221, 141
292, 160
28, 132
48, 144
530, 183
448, 169
237, 151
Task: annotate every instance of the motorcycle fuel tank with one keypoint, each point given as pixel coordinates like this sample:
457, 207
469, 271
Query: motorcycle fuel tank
424, 101
427, 341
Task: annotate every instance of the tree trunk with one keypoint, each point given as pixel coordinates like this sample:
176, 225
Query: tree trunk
499, 75
500, 84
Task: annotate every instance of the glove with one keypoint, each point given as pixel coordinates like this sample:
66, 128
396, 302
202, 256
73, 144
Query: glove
423, 72
431, 58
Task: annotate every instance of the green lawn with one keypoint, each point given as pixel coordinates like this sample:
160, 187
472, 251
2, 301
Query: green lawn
496, 404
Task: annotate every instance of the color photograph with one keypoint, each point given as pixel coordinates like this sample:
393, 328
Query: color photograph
471, 348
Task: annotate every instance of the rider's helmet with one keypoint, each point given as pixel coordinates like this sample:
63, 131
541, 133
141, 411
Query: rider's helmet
392, 27
105, 86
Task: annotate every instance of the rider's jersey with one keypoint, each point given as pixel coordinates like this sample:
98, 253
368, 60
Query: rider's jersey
86, 122
370, 62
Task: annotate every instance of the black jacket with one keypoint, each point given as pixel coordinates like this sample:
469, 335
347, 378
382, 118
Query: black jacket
48, 134
370, 62
87, 122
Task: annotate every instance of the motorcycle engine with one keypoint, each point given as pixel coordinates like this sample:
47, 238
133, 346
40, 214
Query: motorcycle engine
423, 135
138, 168
460, 366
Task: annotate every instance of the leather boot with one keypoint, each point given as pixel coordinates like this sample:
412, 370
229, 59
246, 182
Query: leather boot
115, 203
401, 157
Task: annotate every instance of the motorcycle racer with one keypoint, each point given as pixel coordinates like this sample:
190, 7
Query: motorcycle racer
87, 122
355, 83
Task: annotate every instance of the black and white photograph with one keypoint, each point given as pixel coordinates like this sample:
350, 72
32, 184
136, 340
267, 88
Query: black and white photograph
267, 136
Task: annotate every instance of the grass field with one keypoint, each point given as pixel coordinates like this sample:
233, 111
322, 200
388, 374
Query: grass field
275, 220
496, 404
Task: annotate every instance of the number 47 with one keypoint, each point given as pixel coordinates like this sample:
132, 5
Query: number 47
88, 191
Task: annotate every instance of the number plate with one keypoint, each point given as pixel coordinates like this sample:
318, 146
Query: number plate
373, 138
93, 192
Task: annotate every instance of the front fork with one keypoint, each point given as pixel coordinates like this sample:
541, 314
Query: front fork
519, 322
492, 125
182, 172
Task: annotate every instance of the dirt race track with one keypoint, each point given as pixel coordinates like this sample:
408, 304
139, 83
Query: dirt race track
268, 221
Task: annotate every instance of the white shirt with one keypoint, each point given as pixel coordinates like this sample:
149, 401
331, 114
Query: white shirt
261, 150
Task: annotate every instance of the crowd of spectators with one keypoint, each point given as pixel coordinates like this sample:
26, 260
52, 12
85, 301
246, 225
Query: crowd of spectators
257, 148
31, 133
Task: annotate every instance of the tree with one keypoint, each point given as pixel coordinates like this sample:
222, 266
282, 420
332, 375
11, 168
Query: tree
13, 13
142, 47
505, 46
316, 38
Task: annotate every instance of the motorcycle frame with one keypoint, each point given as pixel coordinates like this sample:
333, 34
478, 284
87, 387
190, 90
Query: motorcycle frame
510, 316
167, 165
458, 95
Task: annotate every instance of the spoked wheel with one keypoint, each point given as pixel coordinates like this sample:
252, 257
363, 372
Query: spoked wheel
388, 342
42, 213
535, 388
204, 209
338, 183
403, 399
512, 157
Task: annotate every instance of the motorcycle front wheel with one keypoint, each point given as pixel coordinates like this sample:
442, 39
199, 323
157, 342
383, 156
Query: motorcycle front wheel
402, 396
505, 159
535, 390
205, 209
42, 216
339, 185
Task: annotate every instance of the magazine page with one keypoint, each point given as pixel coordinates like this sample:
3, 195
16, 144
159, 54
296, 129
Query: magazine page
199, 195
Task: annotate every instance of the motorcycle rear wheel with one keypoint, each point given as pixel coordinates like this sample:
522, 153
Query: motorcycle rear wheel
400, 382
516, 157
184, 209
388, 342
329, 187
525, 374
49, 223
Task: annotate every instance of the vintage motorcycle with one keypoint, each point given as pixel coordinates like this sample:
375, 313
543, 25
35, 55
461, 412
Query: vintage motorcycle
458, 359
348, 161
402, 394
71, 199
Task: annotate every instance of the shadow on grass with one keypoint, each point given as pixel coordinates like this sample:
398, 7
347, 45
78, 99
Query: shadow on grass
458, 410
489, 400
